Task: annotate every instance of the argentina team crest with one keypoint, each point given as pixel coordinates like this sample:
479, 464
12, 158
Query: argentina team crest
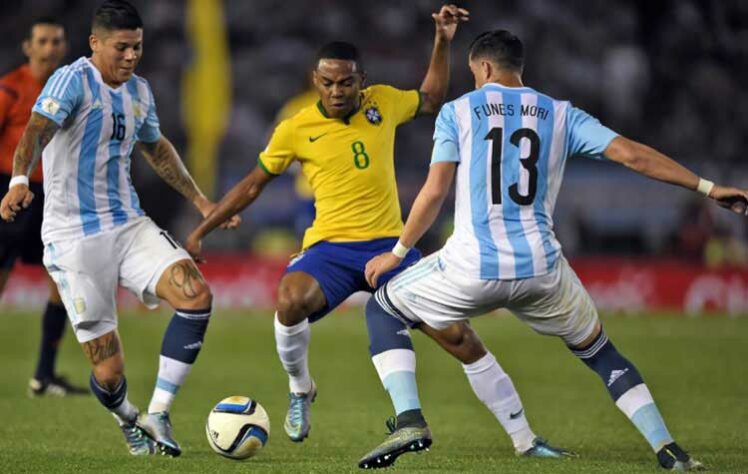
373, 115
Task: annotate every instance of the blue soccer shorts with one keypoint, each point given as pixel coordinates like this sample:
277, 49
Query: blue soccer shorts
339, 268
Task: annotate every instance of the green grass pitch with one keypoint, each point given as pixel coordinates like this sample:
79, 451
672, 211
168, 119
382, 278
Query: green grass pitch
696, 369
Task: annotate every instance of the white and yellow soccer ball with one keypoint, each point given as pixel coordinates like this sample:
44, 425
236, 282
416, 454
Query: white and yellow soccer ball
237, 427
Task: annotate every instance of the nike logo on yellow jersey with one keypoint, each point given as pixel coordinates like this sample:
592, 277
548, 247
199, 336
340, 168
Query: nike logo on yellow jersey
314, 139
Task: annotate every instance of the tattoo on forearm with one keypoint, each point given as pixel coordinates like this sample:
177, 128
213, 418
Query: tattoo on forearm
186, 279
167, 164
39, 132
101, 348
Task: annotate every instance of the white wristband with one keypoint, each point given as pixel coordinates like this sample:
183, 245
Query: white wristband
18, 180
705, 186
400, 250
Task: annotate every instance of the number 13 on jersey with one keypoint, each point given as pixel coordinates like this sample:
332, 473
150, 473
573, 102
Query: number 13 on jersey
529, 163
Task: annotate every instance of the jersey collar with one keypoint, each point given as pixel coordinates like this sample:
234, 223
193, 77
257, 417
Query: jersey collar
347, 119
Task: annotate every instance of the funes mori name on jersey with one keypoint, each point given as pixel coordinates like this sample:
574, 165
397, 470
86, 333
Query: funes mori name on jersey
486, 110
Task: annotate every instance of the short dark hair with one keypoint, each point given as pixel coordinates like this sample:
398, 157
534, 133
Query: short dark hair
339, 50
501, 47
42, 20
116, 15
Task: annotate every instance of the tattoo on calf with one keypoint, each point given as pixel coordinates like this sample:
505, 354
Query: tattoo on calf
101, 348
187, 279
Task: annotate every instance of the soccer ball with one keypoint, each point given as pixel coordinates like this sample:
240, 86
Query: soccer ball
238, 427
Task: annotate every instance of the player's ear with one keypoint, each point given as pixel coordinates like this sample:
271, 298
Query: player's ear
93, 42
26, 47
363, 79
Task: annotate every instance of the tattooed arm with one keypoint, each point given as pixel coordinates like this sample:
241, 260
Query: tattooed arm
39, 132
164, 159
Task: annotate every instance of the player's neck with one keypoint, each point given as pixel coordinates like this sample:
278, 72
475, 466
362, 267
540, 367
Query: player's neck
102, 71
506, 79
39, 72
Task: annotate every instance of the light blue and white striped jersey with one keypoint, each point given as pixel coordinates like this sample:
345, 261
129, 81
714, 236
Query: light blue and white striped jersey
87, 182
511, 146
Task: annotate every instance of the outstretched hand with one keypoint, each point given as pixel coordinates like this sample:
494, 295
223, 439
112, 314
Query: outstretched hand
194, 246
733, 199
207, 207
17, 198
447, 20
380, 265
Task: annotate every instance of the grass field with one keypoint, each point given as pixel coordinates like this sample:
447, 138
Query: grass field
696, 369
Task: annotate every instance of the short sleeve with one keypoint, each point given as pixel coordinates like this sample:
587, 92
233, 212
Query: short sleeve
279, 154
586, 135
150, 131
446, 142
61, 95
405, 103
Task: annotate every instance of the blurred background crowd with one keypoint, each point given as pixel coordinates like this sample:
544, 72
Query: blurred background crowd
668, 73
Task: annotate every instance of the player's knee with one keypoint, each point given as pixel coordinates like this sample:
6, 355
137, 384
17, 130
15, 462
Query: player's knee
293, 307
464, 343
109, 373
200, 298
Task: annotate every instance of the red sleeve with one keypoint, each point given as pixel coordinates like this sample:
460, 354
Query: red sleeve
8, 97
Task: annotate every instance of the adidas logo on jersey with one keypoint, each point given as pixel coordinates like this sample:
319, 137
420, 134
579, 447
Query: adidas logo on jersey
615, 375
403, 332
194, 345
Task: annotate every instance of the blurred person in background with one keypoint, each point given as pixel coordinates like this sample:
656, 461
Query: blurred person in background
45, 47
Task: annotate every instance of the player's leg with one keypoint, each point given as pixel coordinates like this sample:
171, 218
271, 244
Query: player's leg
183, 287
154, 267
299, 296
564, 308
45, 379
88, 286
314, 284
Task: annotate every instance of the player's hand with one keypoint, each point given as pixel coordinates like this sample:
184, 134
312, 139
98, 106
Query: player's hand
18, 197
733, 199
380, 265
194, 246
447, 19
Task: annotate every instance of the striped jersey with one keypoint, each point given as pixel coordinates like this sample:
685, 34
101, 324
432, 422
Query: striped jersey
511, 146
87, 182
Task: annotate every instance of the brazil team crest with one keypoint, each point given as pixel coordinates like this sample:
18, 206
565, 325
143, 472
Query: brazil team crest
373, 115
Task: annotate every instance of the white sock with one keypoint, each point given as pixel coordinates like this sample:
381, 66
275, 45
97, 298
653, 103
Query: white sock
292, 343
495, 389
171, 375
125, 413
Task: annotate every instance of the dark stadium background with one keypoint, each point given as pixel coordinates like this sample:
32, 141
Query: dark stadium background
668, 73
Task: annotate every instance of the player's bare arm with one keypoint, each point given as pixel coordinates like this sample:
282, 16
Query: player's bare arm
422, 215
236, 200
651, 163
39, 132
434, 87
164, 159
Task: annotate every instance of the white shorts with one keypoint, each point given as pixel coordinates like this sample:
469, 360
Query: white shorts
554, 304
88, 272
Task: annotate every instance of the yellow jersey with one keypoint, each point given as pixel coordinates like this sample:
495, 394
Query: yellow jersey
289, 109
348, 162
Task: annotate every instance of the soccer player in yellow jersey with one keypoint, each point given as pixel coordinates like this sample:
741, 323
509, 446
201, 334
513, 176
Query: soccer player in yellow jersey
345, 145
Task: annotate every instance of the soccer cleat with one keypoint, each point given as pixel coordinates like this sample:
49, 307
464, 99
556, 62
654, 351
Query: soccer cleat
137, 441
541, 449
297, 423
158, 427
673, 458
408, 439
54, 387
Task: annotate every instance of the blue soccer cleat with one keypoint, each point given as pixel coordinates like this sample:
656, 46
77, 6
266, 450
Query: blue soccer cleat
541, 449
158, 427
297, 424
138, 443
